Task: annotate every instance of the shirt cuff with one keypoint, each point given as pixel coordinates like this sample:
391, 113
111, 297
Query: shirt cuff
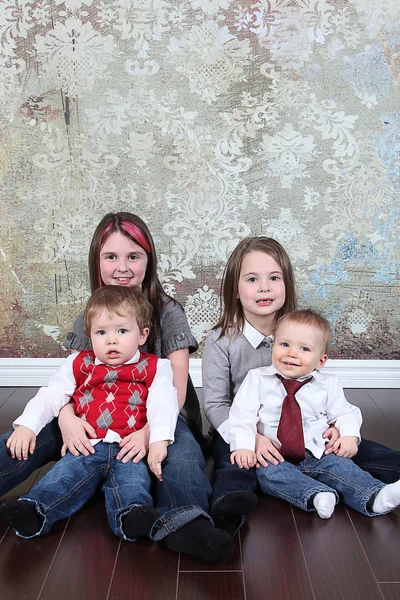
34, 424
223, 430
350, 430
162, 434
243, 442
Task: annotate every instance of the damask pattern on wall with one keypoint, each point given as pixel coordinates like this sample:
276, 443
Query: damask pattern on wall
212, 120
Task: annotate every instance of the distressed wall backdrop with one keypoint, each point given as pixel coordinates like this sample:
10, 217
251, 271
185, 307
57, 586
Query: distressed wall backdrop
213, 120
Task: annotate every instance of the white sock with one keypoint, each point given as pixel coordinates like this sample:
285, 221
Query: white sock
324, 503
388, 498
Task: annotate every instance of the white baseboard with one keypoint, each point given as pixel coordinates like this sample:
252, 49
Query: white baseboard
33, 372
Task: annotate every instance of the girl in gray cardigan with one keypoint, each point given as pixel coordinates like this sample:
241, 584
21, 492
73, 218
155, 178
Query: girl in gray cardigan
257, 289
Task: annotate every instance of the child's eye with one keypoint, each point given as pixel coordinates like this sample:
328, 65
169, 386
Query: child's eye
122, 331
133, 256
285, 344
252, 279
305, 349
275, 278
100, 332
110, 256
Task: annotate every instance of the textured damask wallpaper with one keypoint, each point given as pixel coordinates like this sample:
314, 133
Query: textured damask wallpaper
213, 120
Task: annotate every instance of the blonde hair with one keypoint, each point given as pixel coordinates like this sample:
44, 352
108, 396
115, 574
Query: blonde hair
311, 318
116, 299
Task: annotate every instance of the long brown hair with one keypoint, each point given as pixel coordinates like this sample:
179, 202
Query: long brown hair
136, 230
231, 307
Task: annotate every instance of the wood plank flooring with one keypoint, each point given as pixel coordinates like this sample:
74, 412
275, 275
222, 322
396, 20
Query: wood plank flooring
282, 553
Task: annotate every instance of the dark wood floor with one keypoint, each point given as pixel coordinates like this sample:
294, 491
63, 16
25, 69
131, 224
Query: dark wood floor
282, 554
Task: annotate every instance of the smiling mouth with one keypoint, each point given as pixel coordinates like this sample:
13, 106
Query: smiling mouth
123, 279
264, 301
290, 364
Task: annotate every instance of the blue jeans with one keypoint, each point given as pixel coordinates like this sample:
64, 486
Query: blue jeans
184, 493
13, 471
227, 477
298, 484
382, 462
74, 479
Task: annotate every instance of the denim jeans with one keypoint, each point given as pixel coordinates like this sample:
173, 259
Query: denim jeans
379, 460
184, 493
227, 477
297, 484
13, 471
74, 479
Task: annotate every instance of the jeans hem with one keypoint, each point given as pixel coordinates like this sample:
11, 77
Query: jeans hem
40, 511
118, 528
175, 519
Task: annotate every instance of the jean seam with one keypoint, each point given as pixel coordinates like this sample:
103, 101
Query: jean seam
347, 482
303, 503
74, 489
374, 466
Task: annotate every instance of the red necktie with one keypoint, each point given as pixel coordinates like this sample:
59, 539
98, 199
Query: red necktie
290, 428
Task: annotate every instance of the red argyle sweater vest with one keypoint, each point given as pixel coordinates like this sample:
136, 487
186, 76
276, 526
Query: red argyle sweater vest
113, 397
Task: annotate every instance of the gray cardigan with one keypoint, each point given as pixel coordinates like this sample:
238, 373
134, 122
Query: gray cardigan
225, 364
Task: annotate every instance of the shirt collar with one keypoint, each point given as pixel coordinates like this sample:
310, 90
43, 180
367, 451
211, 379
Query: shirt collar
273, 371
134, 359
253, 336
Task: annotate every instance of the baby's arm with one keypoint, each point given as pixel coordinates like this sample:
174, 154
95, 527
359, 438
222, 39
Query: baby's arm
162, 414
136, 445
41, 410
243, 415
347, 419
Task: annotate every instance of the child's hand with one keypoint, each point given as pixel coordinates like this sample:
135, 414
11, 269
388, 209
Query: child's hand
135, 445
245, 459
267, 450
346, 446
332, 435
75, 432
157, 453
21, 443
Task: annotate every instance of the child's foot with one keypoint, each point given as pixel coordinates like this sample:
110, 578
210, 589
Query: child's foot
234, 504
388, 498
138, 522
199, 538
324, 503
21, 515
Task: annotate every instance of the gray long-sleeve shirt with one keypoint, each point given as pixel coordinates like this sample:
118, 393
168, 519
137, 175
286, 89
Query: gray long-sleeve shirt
225, 364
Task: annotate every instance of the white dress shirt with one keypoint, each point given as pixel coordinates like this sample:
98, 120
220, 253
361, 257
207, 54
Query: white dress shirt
258, 405
162, 403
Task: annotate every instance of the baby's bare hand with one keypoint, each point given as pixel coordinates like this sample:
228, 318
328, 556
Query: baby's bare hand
346, 446
21, 443
245, 459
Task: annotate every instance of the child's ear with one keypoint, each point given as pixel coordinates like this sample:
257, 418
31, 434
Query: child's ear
322, 361
144, 336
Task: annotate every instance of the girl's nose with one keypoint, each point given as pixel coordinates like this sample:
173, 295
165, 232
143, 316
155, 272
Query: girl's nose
122, 267
263, 286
